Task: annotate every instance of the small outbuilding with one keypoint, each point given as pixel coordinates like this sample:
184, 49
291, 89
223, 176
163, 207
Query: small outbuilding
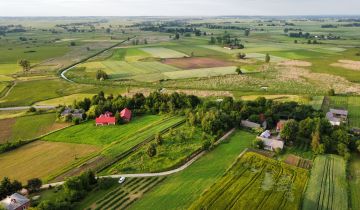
337, 116
15, 202
272, 144
125, 115
74, 113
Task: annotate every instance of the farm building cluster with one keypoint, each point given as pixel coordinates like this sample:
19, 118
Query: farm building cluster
272, 140
15, 202
109, 119
337, 116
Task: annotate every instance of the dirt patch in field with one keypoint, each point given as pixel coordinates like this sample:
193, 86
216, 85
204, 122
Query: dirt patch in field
348, 64
196, 63
6, 129
295, 63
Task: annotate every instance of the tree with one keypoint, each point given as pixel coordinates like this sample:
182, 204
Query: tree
101, 75
158, 139
290, 130
145, 41
295, 41
238, 70
258, 144
72, 43
177, 36
267, 58
247, 32
331, 92
241, 55
151, 150
25, 64
315, 141
33, 185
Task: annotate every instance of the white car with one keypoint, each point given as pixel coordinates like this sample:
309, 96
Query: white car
121, 180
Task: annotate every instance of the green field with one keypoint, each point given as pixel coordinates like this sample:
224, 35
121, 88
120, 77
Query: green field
255, 182
354, 182
173, 151
65, 100
41, 159
89, 133
120, 196
178, 191
146, 132
327, 187
29, 92
24, 128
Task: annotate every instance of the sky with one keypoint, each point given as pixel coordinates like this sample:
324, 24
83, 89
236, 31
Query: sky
177, 7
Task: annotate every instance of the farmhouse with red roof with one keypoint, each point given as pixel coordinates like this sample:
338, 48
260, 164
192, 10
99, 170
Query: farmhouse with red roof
125, 114
106, 119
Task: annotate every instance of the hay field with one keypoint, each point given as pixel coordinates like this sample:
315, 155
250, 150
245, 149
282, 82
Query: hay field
41, 159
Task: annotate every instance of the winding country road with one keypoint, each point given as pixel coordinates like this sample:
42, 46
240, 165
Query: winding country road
165, 173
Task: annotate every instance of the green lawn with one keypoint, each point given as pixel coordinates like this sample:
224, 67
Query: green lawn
89, 133
354, 182
178, 191
172, 151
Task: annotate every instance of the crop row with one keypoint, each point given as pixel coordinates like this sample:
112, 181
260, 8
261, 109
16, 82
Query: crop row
255, 182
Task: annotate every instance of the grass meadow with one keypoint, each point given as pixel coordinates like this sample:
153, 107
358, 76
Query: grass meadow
40, 159
181, 189
327, 187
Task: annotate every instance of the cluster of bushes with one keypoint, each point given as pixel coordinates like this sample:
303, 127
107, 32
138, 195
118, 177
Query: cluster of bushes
11, 145
101, 75
8, 187
73, 190
226, 39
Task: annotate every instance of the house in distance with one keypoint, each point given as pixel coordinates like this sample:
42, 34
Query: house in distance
337, 116
108, 119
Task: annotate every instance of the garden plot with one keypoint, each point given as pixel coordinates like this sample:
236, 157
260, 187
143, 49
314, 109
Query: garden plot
327, 187
125, 194
205, 72
161, 52
256, 182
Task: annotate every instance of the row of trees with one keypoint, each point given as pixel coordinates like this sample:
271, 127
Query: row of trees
8, 187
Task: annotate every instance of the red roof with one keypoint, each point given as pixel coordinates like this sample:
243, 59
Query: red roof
125, 114
105, 119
